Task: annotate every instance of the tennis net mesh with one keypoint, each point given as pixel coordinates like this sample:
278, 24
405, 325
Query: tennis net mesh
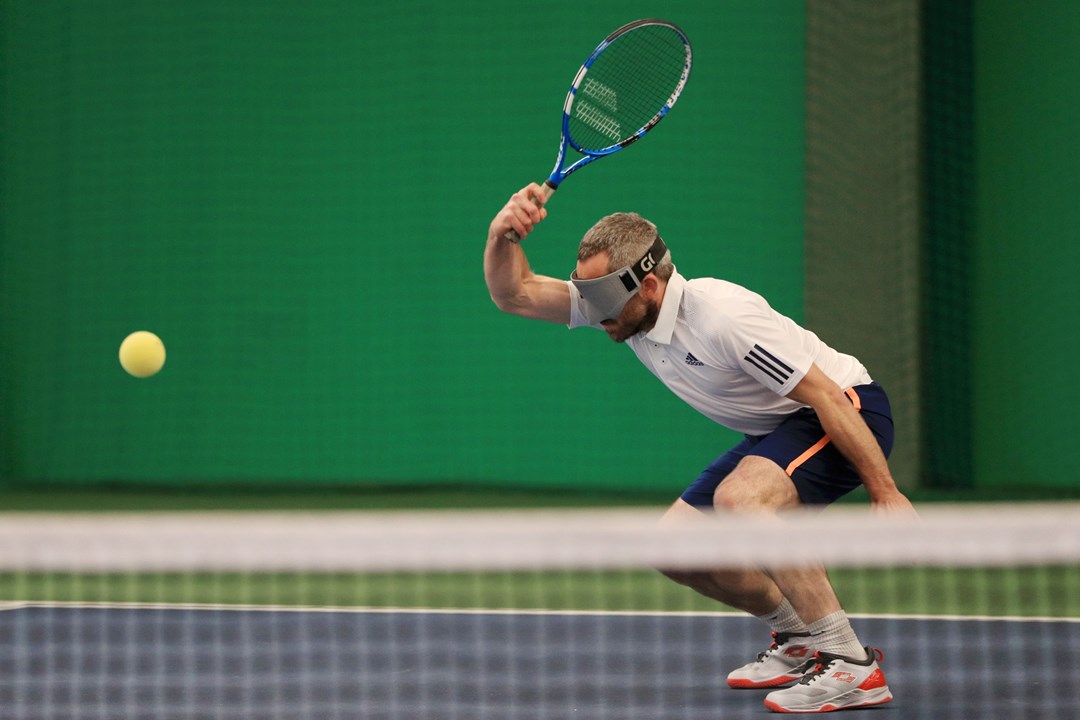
515, 614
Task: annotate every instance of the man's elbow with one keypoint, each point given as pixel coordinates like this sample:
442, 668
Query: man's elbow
508, 303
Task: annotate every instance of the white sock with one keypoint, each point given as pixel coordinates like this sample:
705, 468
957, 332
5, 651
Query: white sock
784, 619
833, 634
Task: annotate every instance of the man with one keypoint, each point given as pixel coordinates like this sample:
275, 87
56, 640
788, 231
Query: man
816, 427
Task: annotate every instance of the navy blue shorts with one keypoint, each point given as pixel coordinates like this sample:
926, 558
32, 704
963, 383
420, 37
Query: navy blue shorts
802, 449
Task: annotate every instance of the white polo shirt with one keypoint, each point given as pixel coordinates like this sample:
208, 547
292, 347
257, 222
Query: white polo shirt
729, 355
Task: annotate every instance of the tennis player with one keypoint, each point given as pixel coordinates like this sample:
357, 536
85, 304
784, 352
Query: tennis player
816, 426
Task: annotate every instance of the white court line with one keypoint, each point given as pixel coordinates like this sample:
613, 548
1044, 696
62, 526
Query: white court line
75, 605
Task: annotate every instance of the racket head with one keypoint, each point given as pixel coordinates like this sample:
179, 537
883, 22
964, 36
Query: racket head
626, 86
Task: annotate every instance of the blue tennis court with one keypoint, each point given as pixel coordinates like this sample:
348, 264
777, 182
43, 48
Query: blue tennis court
141, 663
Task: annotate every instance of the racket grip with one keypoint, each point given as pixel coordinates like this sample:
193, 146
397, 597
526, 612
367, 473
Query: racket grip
546, 190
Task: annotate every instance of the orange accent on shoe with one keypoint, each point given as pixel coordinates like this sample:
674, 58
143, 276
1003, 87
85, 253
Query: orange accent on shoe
876, 680
752, 684
830, 707
775, 707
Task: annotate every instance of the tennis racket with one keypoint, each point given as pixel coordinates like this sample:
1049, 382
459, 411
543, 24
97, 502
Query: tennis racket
623, 89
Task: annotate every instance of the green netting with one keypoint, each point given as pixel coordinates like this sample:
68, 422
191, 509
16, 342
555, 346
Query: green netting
294, 197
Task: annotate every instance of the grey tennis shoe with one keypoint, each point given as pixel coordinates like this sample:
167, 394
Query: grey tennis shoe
834, 683
782, 664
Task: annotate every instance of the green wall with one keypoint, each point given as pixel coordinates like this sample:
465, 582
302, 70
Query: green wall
294, 196
1026, 296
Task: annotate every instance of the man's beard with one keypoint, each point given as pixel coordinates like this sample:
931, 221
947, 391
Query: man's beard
644, 324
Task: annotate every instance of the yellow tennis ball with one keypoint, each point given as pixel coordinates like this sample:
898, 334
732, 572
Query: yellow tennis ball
142, 354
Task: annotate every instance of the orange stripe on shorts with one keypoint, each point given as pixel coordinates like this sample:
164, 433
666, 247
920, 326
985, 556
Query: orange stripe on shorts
816, 447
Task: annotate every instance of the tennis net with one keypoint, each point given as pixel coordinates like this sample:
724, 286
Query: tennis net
515, 614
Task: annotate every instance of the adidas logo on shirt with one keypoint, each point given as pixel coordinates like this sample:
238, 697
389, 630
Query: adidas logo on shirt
691, 360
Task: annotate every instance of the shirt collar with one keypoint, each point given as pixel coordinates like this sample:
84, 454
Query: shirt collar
669, 310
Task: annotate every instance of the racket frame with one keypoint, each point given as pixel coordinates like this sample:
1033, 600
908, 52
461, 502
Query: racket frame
559, 173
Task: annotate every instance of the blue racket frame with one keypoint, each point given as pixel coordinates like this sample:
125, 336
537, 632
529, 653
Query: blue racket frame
560, 173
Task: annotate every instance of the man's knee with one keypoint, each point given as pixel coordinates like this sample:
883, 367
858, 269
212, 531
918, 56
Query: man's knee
757, 484
682, 513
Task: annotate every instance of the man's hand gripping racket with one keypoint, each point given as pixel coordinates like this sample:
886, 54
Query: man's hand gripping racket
622, 90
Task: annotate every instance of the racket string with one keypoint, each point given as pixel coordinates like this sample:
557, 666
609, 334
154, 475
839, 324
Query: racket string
628, 85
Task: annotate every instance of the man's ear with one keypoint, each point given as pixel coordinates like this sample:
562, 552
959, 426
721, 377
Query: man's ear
650, 287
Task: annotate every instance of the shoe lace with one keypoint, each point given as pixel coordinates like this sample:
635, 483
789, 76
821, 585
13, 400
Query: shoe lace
821, 662
824, 661
775, 644
779, 638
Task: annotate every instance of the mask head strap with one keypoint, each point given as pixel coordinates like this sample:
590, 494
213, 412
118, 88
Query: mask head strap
603, 298
648, 261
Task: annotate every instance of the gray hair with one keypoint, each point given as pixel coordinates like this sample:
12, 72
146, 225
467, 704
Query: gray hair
625, 237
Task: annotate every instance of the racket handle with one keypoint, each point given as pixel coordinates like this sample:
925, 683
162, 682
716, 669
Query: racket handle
546, 190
